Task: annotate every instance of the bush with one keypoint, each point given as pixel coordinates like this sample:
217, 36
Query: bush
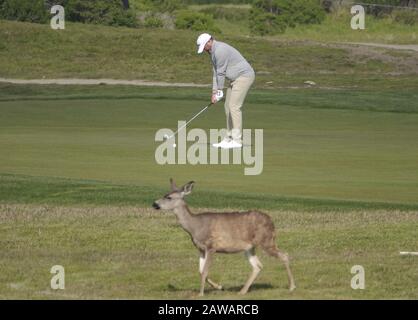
109, 12
152, 21
408, 17
327, 5
195, 21
161, 5
24, 10
169, 5
265, 23
273, 16
218, 1
383, 8
230, 14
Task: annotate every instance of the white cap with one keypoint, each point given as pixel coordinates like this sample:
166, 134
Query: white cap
202, 40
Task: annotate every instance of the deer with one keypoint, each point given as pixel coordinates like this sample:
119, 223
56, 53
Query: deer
224, 232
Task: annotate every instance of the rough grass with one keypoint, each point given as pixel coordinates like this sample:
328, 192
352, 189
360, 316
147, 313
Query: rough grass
335, 28
35, 51
129, 252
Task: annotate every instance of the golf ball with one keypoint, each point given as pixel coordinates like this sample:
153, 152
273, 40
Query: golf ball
174, 145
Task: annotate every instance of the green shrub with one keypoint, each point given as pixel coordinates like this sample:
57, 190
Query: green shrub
24, 10
312, 12
265, 23
196, 21
230, 14
408, 17
218, 1
109, 12
382, 8
328, 5
153, 21
169, 5
273, 16
161, 5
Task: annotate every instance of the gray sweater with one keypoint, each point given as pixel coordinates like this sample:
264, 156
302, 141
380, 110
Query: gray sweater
227, 62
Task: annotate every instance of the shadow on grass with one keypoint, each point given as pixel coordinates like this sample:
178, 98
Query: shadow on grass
233, 290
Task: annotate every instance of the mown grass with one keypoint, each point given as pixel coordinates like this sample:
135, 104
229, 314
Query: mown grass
358, 99
128, 252
336, 145
35, 51
22, 189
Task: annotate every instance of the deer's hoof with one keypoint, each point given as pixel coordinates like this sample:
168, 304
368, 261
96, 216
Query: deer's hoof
292, 288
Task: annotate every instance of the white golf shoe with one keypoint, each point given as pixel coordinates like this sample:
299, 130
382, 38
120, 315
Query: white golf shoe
228, 143
232, 144
221, 144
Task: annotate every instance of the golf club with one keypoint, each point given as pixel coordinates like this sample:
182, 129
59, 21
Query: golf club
166, 137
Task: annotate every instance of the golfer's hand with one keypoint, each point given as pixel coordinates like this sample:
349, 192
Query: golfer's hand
217, 95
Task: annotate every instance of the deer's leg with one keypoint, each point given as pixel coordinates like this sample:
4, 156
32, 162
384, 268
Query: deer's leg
214, 284
202, 261
275, 252
257, 266
285, 259
205, 270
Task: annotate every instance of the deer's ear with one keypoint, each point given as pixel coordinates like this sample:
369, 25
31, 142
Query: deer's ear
173, 185
187, 188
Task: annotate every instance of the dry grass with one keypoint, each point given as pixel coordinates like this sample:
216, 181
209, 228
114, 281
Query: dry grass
128, 252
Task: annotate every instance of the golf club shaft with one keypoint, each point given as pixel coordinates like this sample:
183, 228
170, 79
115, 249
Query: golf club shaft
194, 117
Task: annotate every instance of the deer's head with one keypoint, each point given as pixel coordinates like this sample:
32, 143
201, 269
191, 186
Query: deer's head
175, 198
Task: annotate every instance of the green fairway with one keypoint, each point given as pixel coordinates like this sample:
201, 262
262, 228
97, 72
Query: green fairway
329, 145
78, 176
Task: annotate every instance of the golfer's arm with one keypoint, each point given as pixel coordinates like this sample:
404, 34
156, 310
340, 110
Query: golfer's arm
214, 81
221, 65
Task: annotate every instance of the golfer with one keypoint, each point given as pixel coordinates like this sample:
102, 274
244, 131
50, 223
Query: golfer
228, 63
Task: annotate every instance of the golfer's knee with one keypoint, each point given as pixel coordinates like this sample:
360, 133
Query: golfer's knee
235, 107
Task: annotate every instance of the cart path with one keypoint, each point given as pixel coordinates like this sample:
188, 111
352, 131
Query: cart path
74, 81
413, 47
